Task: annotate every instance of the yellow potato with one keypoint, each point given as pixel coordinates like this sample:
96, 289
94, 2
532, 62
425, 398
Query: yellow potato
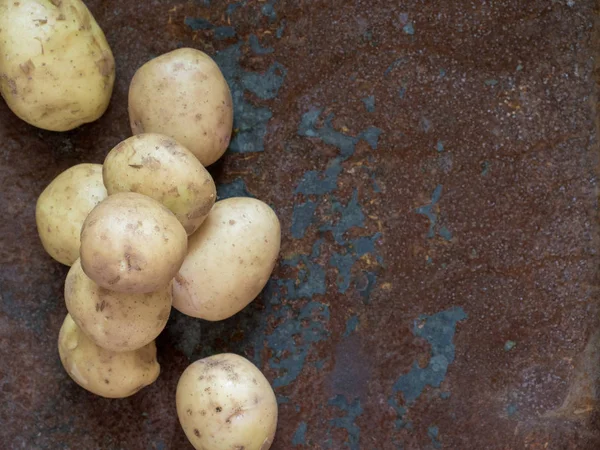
229, 261
224, 402
56, 68
159, 167
64, 205
102, 372
183, 94
115, 321
131, 243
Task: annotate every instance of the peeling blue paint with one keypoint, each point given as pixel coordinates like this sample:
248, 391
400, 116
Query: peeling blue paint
351, 216
409, 28
395, 64
233, 6
198, 23
445, 395
281, 29
401, 412
224, 32
353, 411
319, 183
300, 435
442, 73
268, 11
351, 325
440, 146
511, 410
491, 82
250, 121
365, 284
343, 263
257, 48
509, 345
402, 92
438, 330
369, 103
355, 249
426, 124
310, 282
485, 168
434, 433
302, 217
237, 188
445, 233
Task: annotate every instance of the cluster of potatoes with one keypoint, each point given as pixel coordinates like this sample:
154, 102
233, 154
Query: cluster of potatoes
143, 232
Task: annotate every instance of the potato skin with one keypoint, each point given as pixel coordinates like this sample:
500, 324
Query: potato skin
102, 372
131, 243
184, 95
115, 321
159, 167
224, 402
56, 69
229, 260
63, 206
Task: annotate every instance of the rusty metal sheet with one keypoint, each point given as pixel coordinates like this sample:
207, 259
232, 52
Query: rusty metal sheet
434, 165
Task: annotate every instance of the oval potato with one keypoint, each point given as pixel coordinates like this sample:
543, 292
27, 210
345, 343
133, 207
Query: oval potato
63, 206
102, 372
131, 243
56, 69
224, 402
229, 261
115, 321
183, 94
159, 167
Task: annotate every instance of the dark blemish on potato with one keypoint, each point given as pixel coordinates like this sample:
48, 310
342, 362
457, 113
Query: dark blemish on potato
106, 381
203, 413
60, 17
135, 166
218, 409
196, 432
151, 162
106, 63
114, 280
56, 2
198, 116
11, 84
232, 222
189, 412
27, 67
254, 381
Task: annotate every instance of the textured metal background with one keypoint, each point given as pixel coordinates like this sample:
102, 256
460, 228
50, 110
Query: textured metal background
434, 166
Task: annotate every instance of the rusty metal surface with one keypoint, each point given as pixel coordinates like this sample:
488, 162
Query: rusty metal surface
434, 166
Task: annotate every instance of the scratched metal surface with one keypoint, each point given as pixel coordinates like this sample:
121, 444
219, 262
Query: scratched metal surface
434, 167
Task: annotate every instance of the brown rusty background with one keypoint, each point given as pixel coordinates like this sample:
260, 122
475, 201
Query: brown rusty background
437, 287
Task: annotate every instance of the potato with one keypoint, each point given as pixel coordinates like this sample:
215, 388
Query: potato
131, 243
224, 402
64, 205
159, 167
229, 261
102, 372
115, 321
183, 94
56, 68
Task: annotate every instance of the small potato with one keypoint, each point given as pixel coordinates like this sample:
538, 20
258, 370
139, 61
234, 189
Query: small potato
229, 261
102, 372
56, 69
115, 321
159, 167
224, 402
64, 205
131, 243
183, 94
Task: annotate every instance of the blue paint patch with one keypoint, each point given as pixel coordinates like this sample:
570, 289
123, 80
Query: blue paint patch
233, 6
376, 187
509, 345
519, 68
445, 233
401, 412
225, 32
343, 263
302, 217
439, 146
281, 29
257, 48
269, 11
426, 124
430, 212
249, 121
311, 280
318, 183
237, 188
395, 64
409, 28
300, 435
434, 433
445, 395
351, 216
491, 82
511, 410
442, 73
369, 103
198, 23
365, 284
320, 363
353, 411
351, 325
402, 92
485, 168
438, 330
